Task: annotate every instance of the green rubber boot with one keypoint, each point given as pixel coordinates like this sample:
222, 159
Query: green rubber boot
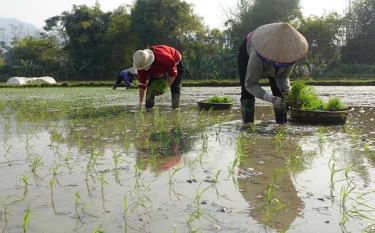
175, 100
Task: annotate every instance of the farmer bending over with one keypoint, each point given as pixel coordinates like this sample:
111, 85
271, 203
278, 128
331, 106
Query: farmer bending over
158, 66
268, 52
127, 76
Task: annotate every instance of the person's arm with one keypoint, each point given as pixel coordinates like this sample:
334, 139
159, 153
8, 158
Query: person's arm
141, 96
253, 74
282, 79
118, 81
142, 86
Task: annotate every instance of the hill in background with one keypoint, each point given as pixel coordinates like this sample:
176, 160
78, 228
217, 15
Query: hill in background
13, 28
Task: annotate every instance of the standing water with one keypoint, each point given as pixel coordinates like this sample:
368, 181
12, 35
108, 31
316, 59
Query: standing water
87, 160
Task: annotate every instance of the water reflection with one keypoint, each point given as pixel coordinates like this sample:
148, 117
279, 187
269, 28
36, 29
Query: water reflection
265, 180
162, 150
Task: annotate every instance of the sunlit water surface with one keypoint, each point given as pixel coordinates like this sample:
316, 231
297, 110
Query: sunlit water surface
86, 159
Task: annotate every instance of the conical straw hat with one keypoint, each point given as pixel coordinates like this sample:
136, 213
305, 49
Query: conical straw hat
279, 42
142, 59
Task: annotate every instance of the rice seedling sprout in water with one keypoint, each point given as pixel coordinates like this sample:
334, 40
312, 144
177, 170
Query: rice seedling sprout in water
25, 181
102, 183
26, 219
36, 162
98, 230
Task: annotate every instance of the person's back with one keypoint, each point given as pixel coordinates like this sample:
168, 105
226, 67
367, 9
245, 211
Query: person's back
127, 76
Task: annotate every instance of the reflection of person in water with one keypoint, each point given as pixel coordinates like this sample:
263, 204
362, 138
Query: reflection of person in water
267, 184
168, 146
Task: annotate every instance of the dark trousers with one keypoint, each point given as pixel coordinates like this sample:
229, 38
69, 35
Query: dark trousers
175, 88
176, 85
247, 99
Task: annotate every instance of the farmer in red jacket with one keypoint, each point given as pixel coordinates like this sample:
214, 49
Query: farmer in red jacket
158, 66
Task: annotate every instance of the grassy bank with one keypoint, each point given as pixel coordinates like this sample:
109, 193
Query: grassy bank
207, 83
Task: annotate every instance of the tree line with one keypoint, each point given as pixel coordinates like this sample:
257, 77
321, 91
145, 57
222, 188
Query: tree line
86, 43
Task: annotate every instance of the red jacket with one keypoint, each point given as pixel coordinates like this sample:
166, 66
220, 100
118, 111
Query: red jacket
166, 61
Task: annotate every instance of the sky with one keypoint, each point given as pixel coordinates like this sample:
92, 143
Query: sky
212, 11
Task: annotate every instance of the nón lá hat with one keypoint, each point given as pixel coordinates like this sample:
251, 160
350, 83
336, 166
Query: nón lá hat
279, 42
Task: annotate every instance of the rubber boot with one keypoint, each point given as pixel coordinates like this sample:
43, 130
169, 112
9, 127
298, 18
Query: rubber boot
175, 100
281, 116
150, 100
247, 109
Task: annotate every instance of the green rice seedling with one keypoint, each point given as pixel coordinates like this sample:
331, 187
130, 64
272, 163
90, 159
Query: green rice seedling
353, 132
52, 186
79, 205
345, 192
295, 162
171, 175
116, 161
321, 132
98, 230
335, 104
87, 182
198, 213
36, 162
139, 195
126, 207
273, 205
4, 219
238, 155
216, 177
56, 140
54, 172
220, 99
102, 183
271, 187
332, 164
26, 219
280, 137
25, 181
28, 137
67, 159
304, 97
6, 144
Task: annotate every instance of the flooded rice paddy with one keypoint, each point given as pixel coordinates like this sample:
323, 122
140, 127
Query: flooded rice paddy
87, 160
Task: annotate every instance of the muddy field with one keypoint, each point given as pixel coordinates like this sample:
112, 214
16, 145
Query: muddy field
87, 160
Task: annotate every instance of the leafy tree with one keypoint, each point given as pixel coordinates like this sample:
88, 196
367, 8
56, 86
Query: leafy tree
84, 29
324, 35
34, 56
251, 14
360, 33
120, 40
168, 22
208, 56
